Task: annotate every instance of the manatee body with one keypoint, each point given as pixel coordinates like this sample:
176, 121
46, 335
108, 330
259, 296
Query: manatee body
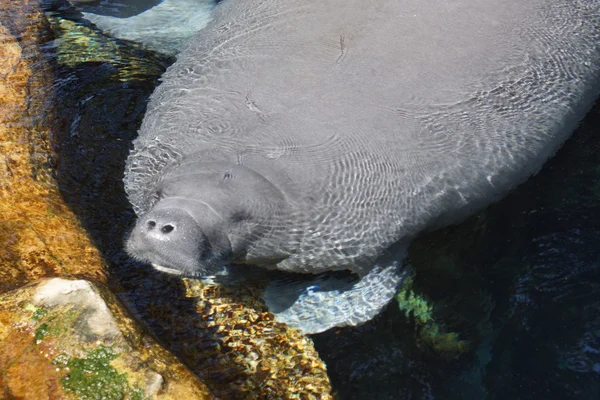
324, 135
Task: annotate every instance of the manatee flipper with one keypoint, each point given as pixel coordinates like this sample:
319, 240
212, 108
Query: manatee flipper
329, 300
165, 28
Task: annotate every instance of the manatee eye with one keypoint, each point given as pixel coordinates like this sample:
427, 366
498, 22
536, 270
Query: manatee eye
227, 175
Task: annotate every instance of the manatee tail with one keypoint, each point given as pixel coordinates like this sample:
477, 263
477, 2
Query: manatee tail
165, 28
333, 300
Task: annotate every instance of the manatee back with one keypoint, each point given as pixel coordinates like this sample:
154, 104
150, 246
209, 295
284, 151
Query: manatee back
377, 122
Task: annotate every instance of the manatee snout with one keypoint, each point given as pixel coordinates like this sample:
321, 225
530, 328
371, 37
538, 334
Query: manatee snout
173, 241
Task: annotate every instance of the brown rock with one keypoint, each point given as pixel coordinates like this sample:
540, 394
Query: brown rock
39, 235
244, 352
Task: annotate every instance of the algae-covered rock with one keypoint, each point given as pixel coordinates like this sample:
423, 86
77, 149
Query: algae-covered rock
226, 335
70, 339
80, 43
252, 353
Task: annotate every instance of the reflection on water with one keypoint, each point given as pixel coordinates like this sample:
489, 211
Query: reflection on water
518, 284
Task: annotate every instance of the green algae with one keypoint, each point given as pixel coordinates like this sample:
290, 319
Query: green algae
430, 332
41, 333
54, 325
448, 343
38, 312
94, 378
414, 305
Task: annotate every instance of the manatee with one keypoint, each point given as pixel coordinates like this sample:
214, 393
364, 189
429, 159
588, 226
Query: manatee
320, 136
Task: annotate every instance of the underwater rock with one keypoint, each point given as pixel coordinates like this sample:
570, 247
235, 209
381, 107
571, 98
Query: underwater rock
83, 44
70, 339
262, 358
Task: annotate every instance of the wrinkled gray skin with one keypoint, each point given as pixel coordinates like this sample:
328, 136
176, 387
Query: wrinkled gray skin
324, 135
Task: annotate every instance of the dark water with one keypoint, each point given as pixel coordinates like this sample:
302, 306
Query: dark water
518, 285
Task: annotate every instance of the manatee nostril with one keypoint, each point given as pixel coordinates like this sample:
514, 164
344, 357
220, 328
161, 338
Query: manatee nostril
151, 225
167, 228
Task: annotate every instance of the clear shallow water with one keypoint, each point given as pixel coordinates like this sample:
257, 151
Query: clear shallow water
519, 282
